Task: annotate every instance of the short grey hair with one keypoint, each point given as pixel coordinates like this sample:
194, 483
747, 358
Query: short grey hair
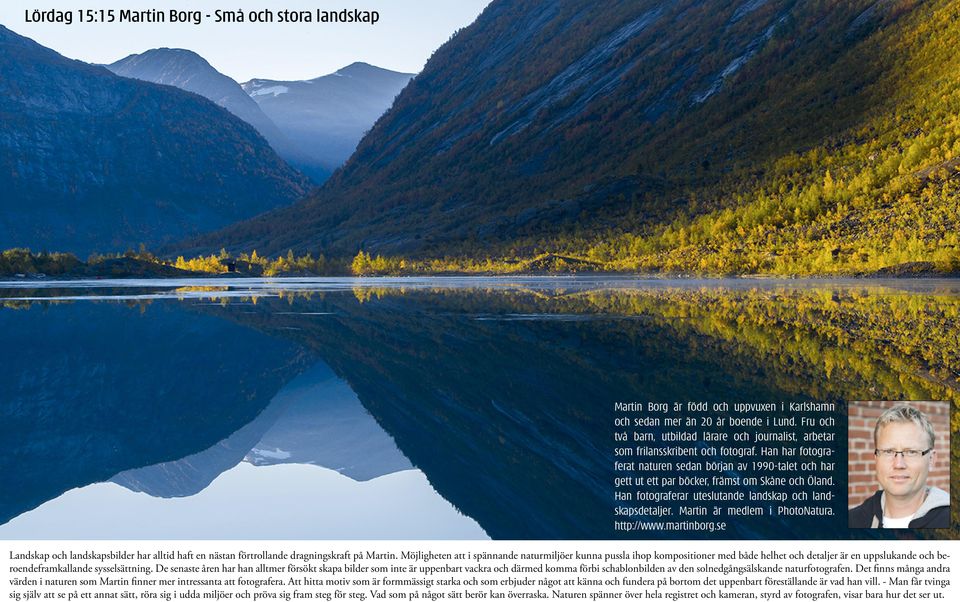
905, 413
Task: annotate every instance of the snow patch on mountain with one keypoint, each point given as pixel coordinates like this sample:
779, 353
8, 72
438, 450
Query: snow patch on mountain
271, 91
275, 454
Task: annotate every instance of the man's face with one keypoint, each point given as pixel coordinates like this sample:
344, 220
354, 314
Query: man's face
899, 476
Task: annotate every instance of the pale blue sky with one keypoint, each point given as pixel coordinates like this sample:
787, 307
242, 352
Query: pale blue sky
407, 34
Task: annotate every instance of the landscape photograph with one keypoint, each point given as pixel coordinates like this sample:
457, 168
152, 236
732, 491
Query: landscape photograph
387, 272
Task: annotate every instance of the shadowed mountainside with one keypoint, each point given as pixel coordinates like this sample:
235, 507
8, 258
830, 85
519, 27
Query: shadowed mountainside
90, 161
719, 136
189, 71
327, 116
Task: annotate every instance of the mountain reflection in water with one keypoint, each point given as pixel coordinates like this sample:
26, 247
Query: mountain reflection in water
500, 391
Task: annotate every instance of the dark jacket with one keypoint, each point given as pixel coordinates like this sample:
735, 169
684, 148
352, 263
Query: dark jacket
933, 514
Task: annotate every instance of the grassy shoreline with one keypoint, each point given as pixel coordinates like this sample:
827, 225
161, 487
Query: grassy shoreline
25, 264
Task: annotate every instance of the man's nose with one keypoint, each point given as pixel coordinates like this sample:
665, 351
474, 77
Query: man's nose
899, 461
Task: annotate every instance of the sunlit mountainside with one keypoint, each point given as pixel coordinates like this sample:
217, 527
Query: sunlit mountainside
744, 136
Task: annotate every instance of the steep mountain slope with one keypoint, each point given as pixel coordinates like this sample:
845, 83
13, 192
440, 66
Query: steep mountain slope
189, 71
327, 116
90, 161
718, 136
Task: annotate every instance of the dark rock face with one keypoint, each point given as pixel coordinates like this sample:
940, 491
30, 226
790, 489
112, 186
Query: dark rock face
90, 161
543, 103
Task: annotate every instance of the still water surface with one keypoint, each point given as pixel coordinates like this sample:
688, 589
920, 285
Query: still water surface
412, 408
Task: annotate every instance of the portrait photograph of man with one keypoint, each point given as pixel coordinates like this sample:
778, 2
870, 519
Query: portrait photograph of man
901, 479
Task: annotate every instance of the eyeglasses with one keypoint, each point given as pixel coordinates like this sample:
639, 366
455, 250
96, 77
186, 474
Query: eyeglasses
909, 454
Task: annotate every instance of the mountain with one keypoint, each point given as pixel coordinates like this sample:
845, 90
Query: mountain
90, 161
327, 116
315, 125
189, 71
718, 136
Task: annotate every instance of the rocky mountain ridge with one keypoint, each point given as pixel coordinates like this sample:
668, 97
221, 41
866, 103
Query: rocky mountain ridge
719, 136
90, 161
327, 116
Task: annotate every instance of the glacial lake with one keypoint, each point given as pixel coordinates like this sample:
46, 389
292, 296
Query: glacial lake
415, 408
